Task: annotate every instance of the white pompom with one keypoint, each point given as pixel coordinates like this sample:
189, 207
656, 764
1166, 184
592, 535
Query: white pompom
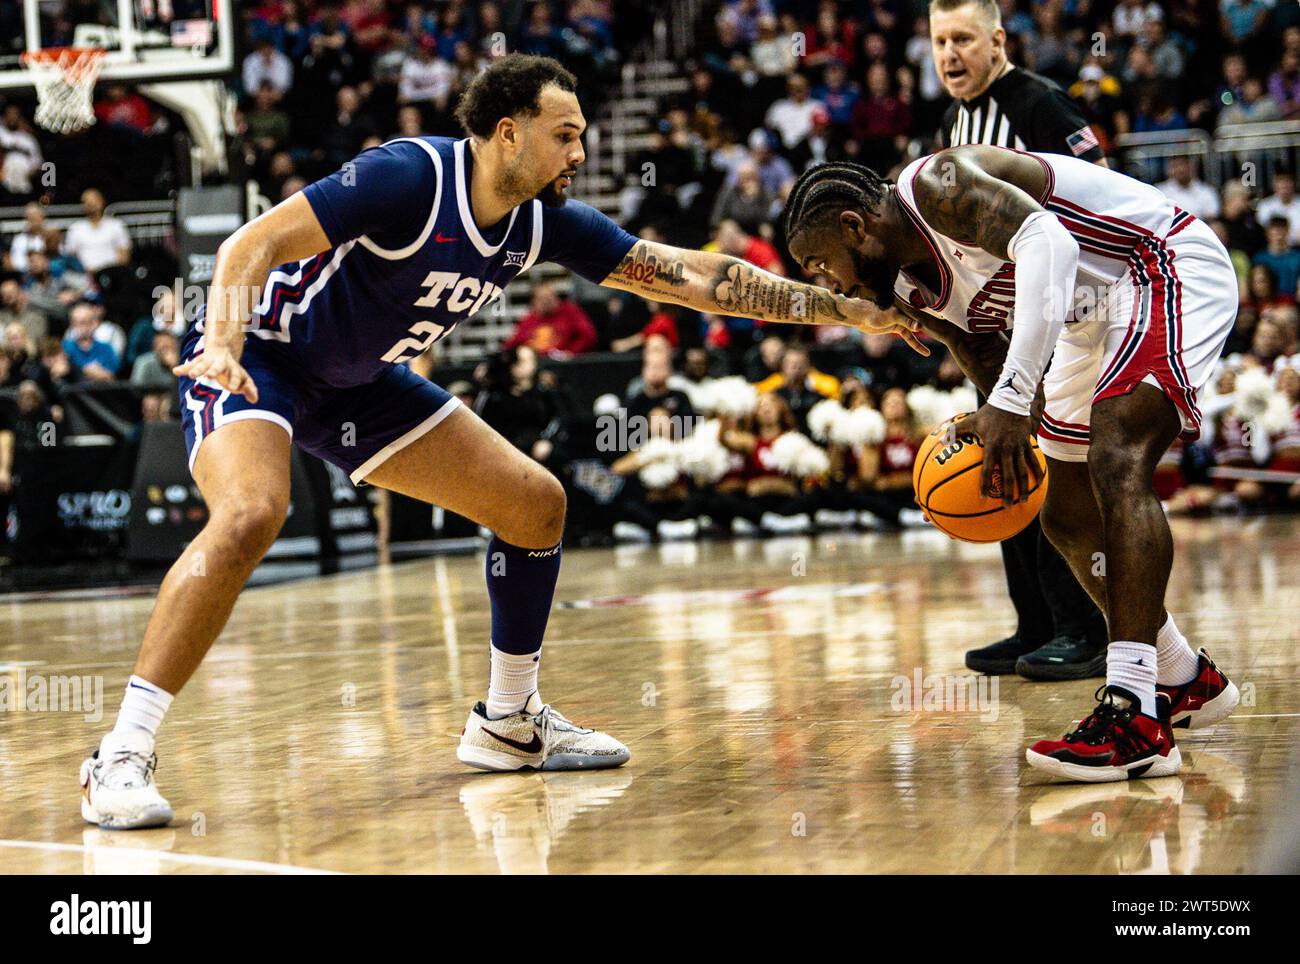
1253, 393
658, 475
702, 456
793, 453
1278, 416
824, 417
861, 426
731, 396
926, 405
812, 462
657, 450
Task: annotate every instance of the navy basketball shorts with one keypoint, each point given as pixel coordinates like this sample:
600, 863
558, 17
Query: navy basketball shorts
356, 428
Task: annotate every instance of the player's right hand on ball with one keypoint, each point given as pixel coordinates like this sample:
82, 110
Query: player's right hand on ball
221, 366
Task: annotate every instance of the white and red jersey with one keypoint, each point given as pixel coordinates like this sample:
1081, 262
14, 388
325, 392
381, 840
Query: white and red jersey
1119, 224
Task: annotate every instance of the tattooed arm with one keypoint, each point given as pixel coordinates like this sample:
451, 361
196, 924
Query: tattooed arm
723, 285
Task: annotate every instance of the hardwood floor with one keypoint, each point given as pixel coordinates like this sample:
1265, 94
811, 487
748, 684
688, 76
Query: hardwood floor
767, 689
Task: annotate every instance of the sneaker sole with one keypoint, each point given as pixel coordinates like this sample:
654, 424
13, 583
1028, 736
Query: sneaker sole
505, 763
148, 818
991, 667
1215, 711
1060, 671
1159, 767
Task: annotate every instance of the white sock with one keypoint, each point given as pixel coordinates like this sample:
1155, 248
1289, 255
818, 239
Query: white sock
514, 679
1133, 667
1176, 662
143, 709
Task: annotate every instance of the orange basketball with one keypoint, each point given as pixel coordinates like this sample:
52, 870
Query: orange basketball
946, 479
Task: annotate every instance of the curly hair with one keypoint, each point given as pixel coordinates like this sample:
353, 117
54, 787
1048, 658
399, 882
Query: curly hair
834, 186
510, 87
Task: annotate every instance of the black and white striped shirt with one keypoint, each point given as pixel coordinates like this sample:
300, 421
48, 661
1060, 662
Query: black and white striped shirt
1024, 111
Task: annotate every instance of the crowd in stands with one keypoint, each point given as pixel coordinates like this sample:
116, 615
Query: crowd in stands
773, 88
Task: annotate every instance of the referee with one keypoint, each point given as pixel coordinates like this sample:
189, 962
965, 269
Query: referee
1060, 632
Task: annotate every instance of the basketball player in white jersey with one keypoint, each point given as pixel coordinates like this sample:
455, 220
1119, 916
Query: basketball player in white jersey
1131, 300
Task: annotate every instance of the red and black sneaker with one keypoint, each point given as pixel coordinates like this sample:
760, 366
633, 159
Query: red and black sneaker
1207, 699
1114, 743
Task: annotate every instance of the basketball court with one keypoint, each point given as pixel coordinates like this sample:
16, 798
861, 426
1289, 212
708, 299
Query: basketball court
767, 689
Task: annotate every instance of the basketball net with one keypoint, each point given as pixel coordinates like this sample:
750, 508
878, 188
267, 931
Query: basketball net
65, 80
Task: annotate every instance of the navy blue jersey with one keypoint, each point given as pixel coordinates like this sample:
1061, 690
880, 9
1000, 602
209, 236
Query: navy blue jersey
408, 262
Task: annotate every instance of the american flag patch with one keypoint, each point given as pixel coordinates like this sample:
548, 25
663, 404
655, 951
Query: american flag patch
1082, 141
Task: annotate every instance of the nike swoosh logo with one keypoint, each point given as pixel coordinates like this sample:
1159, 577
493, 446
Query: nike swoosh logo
535, 746
134, 685
441, 240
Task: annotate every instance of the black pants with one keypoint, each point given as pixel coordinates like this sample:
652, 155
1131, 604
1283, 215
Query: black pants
1048, 598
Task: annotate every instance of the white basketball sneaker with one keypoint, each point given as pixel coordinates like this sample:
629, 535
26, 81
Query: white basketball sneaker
117, 788
538, 737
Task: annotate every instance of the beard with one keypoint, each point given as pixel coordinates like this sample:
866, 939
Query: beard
552, 195
512, 182
877, 276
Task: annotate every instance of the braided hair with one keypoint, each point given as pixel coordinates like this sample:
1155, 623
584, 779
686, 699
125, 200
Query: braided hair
840, 184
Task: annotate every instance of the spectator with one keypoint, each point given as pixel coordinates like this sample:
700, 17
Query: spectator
1254, 107
772, 53
1280, 256
1244, 232
655, 392
554, 326
824, 143
773, 170
792, 116
266, 127
1242, 20
763, 361
838, 94
1131, 16
744, 201
30, 238
801, 385
1189, 192
1166, 56
97, 241
92, 359
266, 65
512, 402
19, 351
1284, 85
662, 324
20, 153
152, 371
15, 308
124, 110
1282, 203
425, 78
735, 241
880, 121
1262, 293
1269, 343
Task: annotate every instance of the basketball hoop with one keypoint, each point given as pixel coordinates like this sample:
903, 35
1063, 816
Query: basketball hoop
65, 80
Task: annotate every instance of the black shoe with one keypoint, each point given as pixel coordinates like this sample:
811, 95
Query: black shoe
998, 658
1064, 657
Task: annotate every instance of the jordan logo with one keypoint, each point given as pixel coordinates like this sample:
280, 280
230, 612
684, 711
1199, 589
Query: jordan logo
1010, 383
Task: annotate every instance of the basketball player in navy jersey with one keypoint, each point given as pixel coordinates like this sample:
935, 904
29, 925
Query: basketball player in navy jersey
363, 271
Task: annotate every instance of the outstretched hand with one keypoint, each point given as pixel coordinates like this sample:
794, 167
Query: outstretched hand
868, 317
